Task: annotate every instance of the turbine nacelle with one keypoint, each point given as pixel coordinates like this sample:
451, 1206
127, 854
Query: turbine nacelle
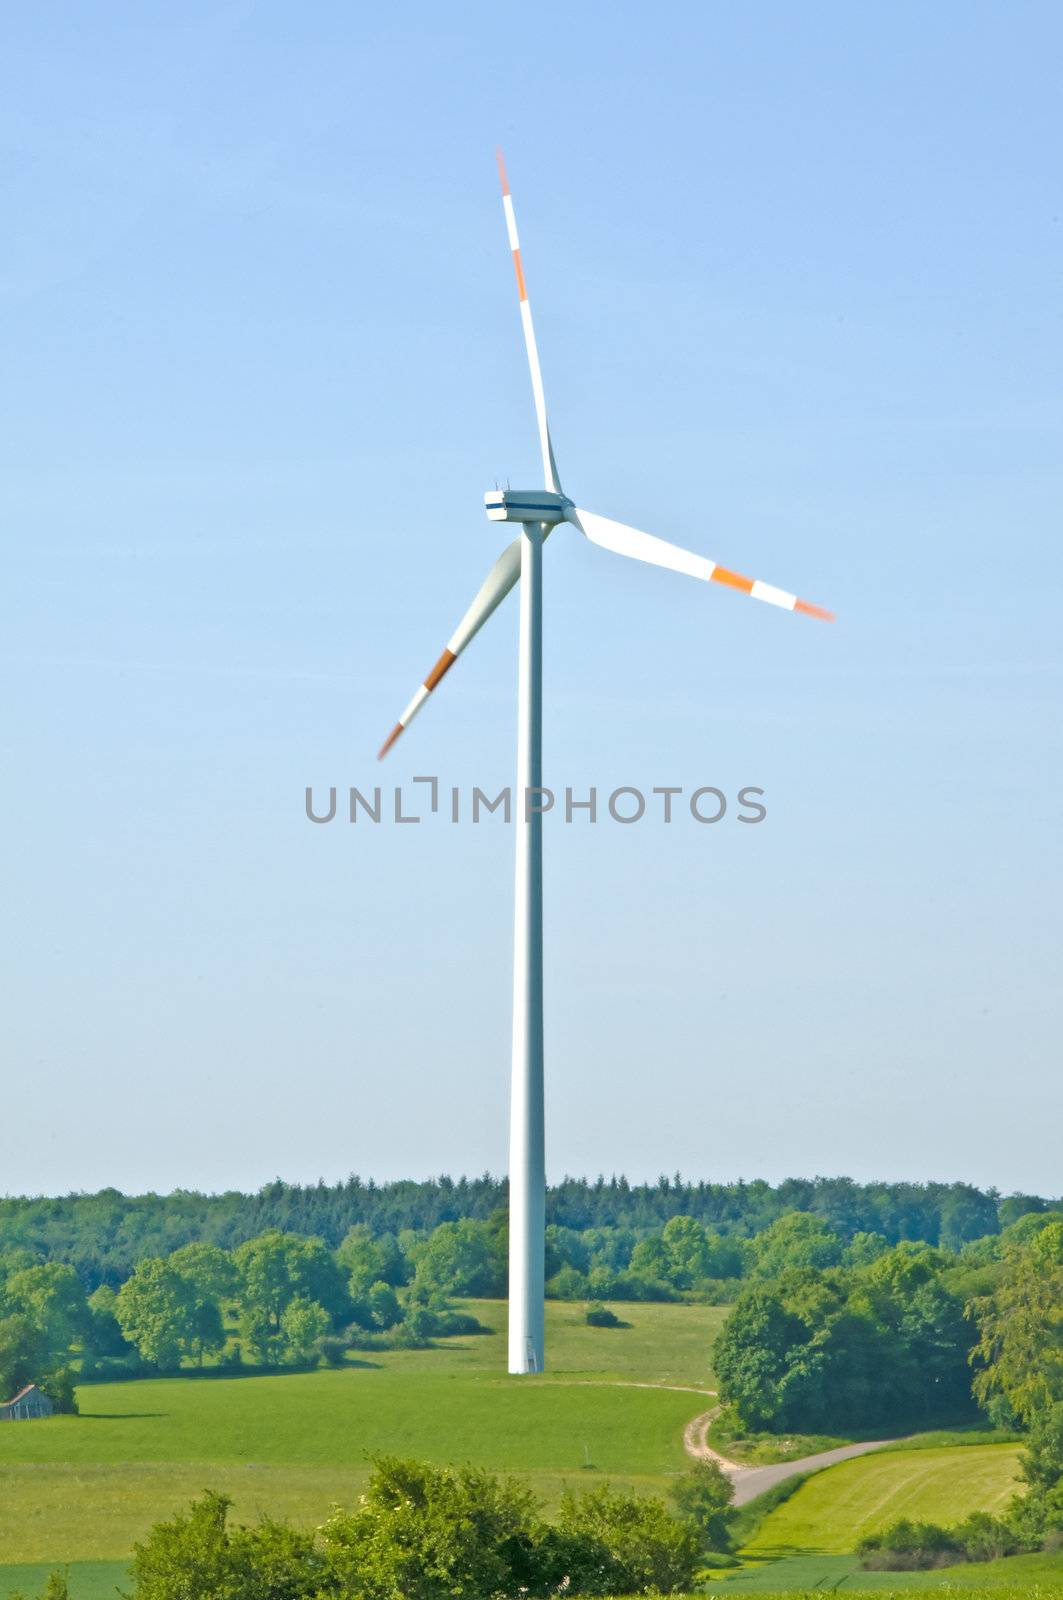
527, 505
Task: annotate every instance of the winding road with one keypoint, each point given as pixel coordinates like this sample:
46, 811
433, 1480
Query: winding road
750, 1481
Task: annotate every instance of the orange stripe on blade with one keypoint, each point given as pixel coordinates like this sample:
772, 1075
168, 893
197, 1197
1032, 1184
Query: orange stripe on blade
813, 611
521, 290
502, 170
444, 664
734, 580
389, 741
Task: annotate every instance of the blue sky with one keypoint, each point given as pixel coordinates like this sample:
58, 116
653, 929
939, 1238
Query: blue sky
796, 275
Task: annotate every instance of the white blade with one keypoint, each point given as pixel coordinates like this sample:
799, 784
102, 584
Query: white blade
499, 581
549, 464
625, 541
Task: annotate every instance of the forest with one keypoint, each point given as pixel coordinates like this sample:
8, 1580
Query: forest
104, 1235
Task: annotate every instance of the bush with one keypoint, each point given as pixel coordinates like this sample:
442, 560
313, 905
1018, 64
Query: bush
702, 1498
567, 1284
918, 1546
617, 1543
457, 1324
59, 1387
333, 1349
197, 1556
599, 1316
428, 1533
425, 1533
909, 1547
986, 1538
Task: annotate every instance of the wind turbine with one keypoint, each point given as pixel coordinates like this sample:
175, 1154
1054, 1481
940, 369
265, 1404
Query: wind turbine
539, 511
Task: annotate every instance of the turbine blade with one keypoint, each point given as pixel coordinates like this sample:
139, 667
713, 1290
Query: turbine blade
499, 581
625, 541
549, 464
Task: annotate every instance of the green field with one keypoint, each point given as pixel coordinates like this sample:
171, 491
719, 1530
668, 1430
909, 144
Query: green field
834, 1509
1018, 1578
83, 1488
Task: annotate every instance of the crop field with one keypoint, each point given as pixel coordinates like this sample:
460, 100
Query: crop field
82, 1489
834, 1509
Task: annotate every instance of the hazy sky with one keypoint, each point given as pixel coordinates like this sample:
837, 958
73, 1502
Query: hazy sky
796, 272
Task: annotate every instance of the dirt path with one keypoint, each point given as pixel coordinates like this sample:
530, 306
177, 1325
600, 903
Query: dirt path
750, 1481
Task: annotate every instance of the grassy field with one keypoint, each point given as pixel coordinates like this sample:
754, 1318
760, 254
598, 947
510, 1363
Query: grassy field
78, 1488
1018, 1578
834, 1509
88, 1580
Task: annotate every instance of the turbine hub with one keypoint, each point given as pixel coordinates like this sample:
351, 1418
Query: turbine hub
526, 505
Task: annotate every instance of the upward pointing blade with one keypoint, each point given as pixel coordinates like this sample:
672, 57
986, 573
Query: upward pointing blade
549, 464
625, 541
499, 581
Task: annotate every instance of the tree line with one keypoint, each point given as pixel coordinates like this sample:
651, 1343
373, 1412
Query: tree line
104, 1235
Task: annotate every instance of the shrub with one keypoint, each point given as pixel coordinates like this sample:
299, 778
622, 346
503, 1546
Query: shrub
425, 1533
917, 1546
197, 1556
618, 1543
702, 1498
599, 1316
567, 1284
455, 1324
909, 1547
332, 1349
986, 1538
59, 1387
428, 1533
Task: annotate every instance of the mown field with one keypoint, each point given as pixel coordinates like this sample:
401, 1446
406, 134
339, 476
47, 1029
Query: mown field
84, 1488
834, 1509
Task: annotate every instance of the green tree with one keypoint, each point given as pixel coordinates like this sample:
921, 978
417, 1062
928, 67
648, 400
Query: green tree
104, 1337
274, 1269
303, 1323
1020, 1346
619, 1543
197, 1556
966, 1213
52, 1297
796, 1239
157, 1310
23, 1353
210, 1270
431, 1533
687, 1250
1015, 1206
461, 1258
212, 1279
649, 1259
753, 1353
382, 1306
864, 1248
1042, 1461
703, 1500
367, 1260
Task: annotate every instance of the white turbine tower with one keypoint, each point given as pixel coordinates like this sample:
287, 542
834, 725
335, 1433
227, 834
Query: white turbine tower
539, 511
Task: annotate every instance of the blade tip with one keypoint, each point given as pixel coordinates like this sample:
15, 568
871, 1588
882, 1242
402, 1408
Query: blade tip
807, 609
500, 158
389, 741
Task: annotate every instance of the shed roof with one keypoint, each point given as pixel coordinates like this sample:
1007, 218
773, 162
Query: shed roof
23, 1392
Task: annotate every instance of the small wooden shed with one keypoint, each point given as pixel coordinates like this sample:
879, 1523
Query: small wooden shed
29, 1402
